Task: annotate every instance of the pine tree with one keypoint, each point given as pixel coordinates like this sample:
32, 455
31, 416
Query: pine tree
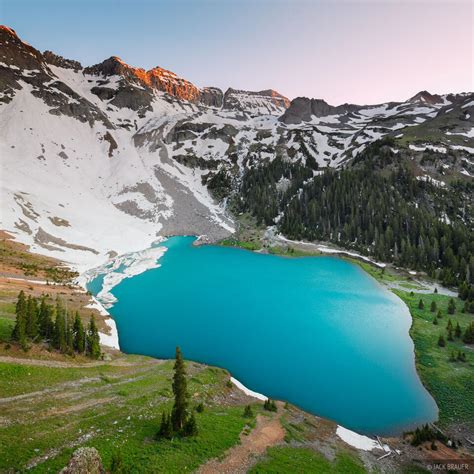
31, 318
451, 307
93, 340
269, 405
440, 314
19, 330
450, 334
457, 331
79, 335
449, 326
166, 430
190, 427
45, 320
441, 341
421, 305
435, 321
59, 333
180, 408
433, 306
248, 413
468, 337
69, 330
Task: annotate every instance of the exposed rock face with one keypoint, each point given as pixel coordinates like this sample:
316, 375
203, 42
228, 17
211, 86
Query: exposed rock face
59, 61
212, 97
302, 109
424, 97
267, 101
157, 78
84, 461
18, 54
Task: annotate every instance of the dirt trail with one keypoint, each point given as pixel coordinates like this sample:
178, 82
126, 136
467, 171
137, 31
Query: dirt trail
68, 365
267, 432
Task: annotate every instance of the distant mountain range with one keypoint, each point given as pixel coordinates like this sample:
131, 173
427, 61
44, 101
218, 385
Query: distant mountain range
100, 160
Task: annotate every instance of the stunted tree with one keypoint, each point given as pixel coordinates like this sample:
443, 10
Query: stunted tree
190, 426
451, 306
179, 412
433, 306
457, 331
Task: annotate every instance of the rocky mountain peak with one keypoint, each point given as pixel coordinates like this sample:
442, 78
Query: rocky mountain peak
6, 30
17, 53
277, 97
425, 97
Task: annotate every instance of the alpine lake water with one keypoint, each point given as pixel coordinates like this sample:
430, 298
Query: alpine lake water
317, 332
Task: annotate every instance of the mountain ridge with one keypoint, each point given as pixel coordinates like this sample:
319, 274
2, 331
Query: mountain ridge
135, 149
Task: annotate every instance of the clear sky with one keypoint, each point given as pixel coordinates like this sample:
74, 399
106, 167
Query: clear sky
357, 51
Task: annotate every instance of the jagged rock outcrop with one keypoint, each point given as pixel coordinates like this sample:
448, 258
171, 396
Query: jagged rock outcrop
302, 109
59, 61
212, 97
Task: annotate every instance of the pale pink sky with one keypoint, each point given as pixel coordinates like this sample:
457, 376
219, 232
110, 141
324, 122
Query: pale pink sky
357, 51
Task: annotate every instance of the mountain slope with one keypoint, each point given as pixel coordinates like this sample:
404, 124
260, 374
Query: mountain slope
104, 160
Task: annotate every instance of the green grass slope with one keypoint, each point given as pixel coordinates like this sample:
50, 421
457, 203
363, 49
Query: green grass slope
47, 412
450, 383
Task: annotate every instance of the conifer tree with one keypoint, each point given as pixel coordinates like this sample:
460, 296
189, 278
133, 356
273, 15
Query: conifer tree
457, 331
451, 307
179, 412
441, 341
166, 430
59, 335
79, 335
19, 330
69, 329
93, 340
45, 320
449, 326
433, 306
248, 413
31, 318
190, 426
468, 337
421, 305
440, 314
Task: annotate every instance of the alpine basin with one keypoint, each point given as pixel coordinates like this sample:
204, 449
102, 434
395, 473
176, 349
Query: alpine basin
315, 331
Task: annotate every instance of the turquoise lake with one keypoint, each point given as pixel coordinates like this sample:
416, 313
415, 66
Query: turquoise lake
315, 331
